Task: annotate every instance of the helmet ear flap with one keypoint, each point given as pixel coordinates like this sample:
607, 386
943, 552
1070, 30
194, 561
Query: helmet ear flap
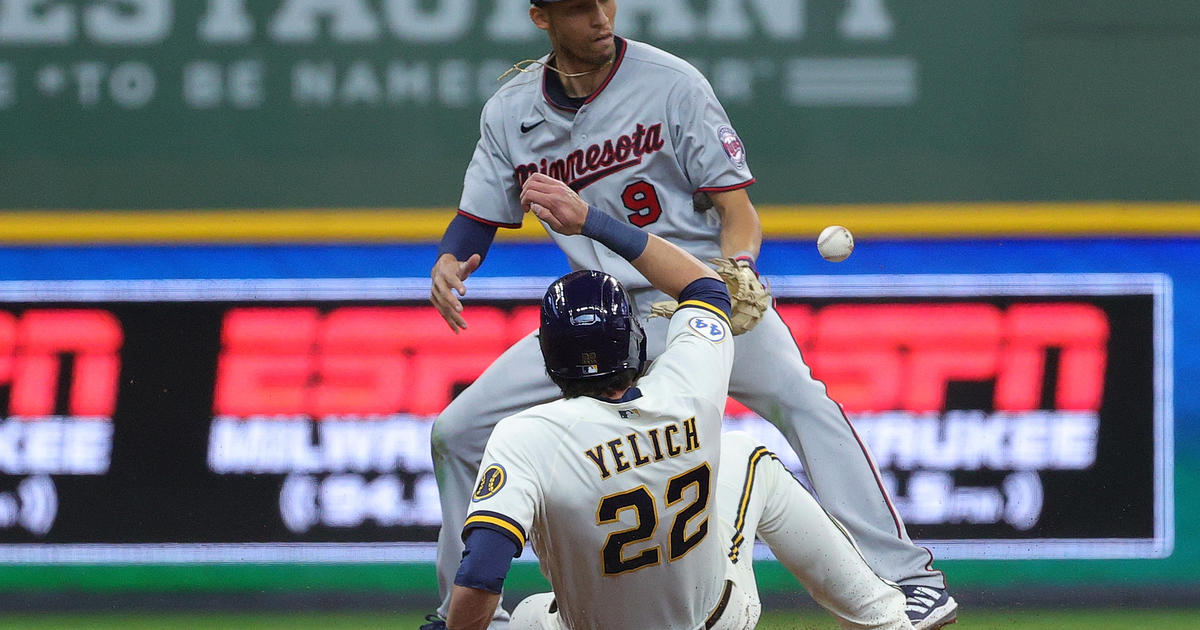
638, 338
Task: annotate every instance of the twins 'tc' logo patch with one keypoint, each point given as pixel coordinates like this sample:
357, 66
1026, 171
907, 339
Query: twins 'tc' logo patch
709, 328
733, 145
490, 483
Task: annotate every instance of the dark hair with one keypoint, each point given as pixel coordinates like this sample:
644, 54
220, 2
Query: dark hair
599, 386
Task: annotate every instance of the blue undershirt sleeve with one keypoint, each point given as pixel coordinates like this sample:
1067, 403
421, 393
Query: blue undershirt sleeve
486, 560
711, 291
465, 236
622, 238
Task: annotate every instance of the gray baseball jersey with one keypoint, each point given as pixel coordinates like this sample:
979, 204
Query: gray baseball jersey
617, 498
638, 149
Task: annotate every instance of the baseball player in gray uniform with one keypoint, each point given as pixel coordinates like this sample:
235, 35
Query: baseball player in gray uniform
638, 133
637, 506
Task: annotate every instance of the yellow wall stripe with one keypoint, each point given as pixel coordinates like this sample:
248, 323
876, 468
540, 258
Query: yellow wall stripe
378, 225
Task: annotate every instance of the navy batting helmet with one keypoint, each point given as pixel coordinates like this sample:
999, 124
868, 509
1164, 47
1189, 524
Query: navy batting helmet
588, 328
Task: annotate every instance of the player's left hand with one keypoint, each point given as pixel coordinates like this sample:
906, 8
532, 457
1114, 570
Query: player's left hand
749, 297
555, 203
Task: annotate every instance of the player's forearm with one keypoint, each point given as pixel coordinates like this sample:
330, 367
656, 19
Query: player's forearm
669, 268
471, 609
466, 236
741, 230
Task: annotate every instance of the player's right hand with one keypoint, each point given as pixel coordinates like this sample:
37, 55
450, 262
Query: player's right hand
448, 274
555, 203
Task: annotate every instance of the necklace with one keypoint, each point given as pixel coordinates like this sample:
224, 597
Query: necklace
525, 65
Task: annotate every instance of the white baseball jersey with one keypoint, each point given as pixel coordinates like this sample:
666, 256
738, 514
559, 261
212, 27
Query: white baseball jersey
637, 148
617, 497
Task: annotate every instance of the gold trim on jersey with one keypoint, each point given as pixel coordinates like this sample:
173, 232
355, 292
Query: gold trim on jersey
502, 523
706, 306
715, 616
744, 505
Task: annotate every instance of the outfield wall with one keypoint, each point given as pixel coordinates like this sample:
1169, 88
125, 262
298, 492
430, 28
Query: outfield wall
174, 104
164, 140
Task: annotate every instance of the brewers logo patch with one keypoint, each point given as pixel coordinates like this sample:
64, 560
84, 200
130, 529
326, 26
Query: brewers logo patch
490, 483
710, 328
733, 145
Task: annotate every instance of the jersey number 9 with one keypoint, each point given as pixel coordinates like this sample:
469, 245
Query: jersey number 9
642, 199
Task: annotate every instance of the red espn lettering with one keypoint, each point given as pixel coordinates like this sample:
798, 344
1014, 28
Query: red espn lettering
903, 356
382, 360
352, 360
32, 346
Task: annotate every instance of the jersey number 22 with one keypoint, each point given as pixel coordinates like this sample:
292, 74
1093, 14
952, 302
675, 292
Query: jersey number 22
640, 499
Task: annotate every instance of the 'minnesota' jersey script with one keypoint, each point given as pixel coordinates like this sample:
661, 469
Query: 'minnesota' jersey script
637, 148
617, 497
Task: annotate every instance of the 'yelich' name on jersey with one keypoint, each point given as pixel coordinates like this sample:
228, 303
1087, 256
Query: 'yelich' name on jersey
630, 451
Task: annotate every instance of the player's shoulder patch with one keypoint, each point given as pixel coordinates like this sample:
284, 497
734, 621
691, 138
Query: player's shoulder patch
708, 327
490, 483
734, 149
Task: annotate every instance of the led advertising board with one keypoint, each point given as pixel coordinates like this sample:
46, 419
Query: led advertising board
1021, 416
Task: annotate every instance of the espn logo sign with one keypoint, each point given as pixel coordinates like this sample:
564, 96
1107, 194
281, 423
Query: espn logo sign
354, 360
873, 357
60, 361
62, 371
877, 357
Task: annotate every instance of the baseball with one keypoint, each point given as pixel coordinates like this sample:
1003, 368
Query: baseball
835, 243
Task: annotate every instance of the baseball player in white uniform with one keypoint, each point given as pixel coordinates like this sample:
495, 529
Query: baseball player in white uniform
639, 133
640, 513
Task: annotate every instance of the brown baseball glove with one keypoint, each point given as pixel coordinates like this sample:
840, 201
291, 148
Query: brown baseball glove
749, 297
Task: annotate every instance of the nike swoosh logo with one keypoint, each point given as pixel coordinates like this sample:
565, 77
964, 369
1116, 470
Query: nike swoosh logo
527, 128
